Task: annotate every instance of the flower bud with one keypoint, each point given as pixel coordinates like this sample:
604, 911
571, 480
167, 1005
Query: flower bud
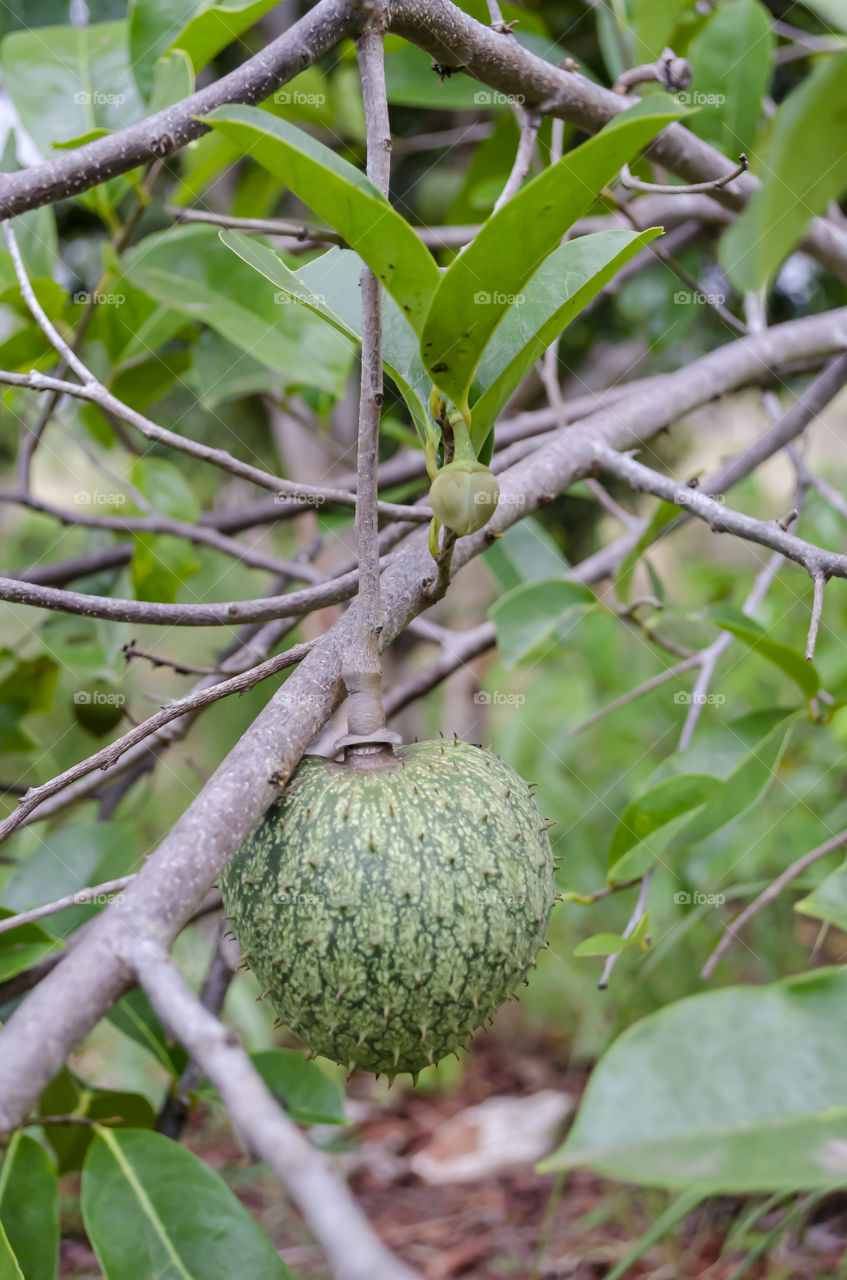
464, 496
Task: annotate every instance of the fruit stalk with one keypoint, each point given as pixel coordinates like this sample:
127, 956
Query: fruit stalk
362, 671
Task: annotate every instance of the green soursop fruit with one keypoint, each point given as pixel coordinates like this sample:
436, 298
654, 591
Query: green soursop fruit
389, 911
464, 496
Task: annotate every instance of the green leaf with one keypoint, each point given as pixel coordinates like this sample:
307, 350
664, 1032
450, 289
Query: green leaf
602, 944
529, 614
29, 1207
134, 1016
26, 688
657, 807
22, 947
734, 1091
653, 23
828, 901
805, 168
832, 12
191, 271
196, 26
525, 553
308, 1095
341, 195
67, 859
67, 1095
484, 281
146, 1197
562, 286
804, 673
742, 788
9, 1267
329, 287
164, 485
662, 516
173, 80
160, 566
731, 68
66, 81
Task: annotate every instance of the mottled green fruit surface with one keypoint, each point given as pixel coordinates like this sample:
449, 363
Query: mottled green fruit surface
389, 912
464, 496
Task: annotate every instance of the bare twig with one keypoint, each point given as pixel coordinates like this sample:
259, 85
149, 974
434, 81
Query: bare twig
631, 926
174, 710
769, 895
104, 890
530, 124
692, 189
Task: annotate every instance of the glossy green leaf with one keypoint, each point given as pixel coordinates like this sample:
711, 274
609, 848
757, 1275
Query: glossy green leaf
66, 81
67, 1095
805, 168
530, 614
67, 859
489, 277
329, 287
23, 946
562, 286
303, 1088
9, 1266
199, 28
731, 69
146, 1197
191, 271
657, 807
828, 901
35, 232
341, 195
29, 1207
804, 673
134, 1016
736, 1091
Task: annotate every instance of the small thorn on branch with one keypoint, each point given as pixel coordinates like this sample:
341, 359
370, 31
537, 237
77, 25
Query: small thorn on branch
819, 580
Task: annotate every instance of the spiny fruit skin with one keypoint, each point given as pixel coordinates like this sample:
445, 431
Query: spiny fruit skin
389, 912
464, 496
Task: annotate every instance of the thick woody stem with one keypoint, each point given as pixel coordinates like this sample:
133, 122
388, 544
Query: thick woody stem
362, 672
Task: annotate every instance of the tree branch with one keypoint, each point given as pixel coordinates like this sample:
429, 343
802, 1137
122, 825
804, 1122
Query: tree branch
354, 1251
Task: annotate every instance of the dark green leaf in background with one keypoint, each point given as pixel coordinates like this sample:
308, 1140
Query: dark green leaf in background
29, 1207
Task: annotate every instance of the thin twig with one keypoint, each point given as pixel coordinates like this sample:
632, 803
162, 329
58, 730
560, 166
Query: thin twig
694, 188
819, 581
530, 125
130, 651
631, 926
172, 711
769, 895
104, 890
